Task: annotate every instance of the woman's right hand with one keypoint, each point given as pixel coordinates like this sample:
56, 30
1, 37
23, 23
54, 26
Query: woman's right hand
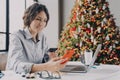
55, 64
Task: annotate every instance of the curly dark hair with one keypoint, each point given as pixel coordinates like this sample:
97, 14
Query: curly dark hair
32, 11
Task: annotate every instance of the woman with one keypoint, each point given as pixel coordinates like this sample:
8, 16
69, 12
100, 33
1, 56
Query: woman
28, 47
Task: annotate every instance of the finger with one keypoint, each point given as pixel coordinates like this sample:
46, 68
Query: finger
56, 59
52, 54
64, 61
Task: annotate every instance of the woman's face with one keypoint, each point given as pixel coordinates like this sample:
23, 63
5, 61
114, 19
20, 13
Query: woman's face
39, 22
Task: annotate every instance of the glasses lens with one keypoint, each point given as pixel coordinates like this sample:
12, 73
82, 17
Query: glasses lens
50, 75
56, 75
45, 74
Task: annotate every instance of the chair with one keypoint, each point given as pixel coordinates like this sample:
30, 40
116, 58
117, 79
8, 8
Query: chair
3, 61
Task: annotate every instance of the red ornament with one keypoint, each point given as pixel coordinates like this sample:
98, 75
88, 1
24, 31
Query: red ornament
88, 30
74, 16
73, 29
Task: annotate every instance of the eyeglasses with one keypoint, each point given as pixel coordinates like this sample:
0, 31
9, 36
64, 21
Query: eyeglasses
49, 75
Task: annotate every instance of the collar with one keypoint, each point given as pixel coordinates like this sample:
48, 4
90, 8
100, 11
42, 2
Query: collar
28, 34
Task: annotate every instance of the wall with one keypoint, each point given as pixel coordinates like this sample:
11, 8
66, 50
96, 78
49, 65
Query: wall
67, 10
51, 30
115, 10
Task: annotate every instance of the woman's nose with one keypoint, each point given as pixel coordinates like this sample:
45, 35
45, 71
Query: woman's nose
42, 22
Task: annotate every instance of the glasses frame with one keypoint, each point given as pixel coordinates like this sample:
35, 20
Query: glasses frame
50, 75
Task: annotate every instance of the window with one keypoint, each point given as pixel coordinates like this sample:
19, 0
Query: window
11, 19
2, 24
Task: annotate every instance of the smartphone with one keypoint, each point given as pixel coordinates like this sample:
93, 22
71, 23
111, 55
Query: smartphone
68, 55
52, 49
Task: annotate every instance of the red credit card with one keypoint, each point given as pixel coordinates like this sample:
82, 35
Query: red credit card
68, 55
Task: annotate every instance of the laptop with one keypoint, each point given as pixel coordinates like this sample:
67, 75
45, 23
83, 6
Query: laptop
78, 67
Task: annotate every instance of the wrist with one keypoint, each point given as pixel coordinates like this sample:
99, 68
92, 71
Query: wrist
39, 67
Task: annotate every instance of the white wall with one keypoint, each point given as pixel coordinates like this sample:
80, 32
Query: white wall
115, 10
51, 30
16, 13
68, 6
113, 6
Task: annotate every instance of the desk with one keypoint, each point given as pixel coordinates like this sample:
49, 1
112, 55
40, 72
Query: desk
102, 72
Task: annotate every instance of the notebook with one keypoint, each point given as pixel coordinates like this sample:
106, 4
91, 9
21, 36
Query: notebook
77, 67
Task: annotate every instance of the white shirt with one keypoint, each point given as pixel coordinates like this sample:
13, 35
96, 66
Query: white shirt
24, 52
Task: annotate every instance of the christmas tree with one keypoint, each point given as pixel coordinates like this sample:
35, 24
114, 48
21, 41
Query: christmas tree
91, 23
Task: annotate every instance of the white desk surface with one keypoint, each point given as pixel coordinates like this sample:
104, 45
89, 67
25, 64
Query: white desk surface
102, 72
